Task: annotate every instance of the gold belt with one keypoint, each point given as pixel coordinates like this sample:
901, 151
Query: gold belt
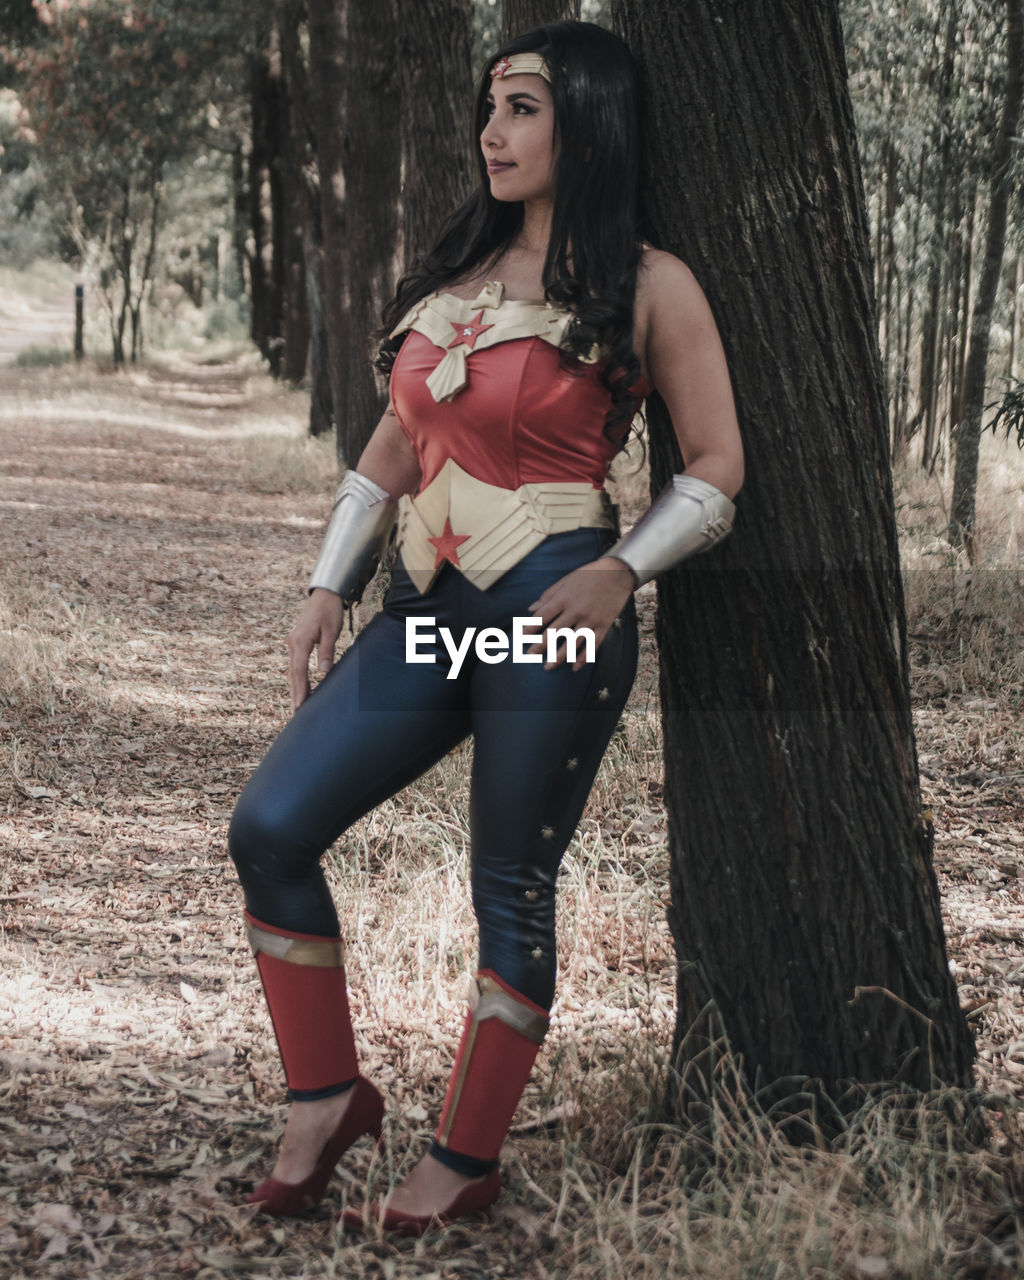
485, 530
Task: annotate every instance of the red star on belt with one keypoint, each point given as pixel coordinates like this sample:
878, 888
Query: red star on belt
468, 333
447, 545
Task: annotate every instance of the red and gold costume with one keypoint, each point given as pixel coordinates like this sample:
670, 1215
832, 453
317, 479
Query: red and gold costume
513, 448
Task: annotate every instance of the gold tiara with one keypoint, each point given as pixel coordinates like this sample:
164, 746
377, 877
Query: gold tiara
521, 64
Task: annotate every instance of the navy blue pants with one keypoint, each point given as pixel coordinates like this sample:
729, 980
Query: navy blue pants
377, 722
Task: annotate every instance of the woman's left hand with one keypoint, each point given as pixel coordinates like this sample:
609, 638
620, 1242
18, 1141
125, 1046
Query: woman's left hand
591, 596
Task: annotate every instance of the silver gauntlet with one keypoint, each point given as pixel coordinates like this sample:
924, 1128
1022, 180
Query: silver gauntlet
356, 537
689, 516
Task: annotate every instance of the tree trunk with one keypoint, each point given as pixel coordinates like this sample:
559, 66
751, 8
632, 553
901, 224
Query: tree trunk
437, 77
277, 130
963, 310
356, 112
930, 329
259, 252
321, 410
302, 175
805, 908
289, 221
968, 434
240, 221
523, 15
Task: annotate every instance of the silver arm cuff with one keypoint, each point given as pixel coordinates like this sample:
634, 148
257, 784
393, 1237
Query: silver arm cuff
356, 537
689, 516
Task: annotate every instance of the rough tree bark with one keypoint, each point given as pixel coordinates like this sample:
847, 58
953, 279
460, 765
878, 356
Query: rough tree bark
357, 117
289, 219
523, 15
968, 431
264, 314
942, 144
434, 40
305, 179
321, 406
805, 908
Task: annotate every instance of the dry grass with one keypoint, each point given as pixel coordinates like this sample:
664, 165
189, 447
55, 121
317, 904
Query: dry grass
155, 528
967, 622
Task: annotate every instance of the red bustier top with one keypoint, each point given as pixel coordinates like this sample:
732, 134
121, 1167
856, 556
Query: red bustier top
483, 383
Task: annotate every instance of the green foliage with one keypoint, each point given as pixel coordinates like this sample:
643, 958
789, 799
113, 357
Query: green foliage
112, 92
1009, 416
115, 98
42, 357
26, 229
17, 19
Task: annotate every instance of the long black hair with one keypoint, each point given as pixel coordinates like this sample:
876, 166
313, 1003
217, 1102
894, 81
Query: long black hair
596, 214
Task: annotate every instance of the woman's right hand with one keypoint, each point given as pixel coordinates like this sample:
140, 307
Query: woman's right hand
318, 627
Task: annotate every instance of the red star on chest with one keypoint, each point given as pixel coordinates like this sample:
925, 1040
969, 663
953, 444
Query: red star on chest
468, 333
447, 545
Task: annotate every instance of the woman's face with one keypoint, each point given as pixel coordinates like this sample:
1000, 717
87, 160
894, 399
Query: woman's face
518, 140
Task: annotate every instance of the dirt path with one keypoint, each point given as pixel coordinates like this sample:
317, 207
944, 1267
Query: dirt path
152, 543
45, 320
158, 590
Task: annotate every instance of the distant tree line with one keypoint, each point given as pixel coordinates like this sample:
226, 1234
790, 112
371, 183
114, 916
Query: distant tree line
937, 89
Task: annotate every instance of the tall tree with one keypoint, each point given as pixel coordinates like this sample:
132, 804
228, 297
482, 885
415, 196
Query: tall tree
804, 904
968, 432
357, 116
524, 15
304, 181
434, 38
265, 299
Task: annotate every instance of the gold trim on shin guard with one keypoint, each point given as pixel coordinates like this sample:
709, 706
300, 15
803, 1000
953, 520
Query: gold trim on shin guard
322, 953
303, 979
502, 1034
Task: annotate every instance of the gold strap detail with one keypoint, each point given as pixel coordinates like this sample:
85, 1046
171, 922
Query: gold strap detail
328, 954
486, 321
488, 999
445, 1131
501, 525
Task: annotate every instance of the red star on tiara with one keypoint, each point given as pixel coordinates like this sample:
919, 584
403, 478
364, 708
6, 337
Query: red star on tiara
500, 67
467, 334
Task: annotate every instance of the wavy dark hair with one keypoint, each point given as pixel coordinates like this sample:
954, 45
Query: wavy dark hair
596, 207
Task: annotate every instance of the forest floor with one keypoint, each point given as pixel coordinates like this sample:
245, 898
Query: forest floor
155, 531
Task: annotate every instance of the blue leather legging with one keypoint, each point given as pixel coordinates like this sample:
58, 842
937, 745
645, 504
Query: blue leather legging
377, 722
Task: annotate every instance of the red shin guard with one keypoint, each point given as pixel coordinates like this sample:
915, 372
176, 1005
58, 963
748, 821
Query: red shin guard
303, 979
500, 1040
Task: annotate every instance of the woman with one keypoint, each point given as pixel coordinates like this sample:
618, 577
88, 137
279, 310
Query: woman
518, 354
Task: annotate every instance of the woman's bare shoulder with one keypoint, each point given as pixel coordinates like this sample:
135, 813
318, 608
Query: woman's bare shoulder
665, 280
669, 301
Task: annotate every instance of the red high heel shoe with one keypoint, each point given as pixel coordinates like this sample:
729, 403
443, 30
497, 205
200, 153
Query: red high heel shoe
477, 1195
303, 977
363, 1115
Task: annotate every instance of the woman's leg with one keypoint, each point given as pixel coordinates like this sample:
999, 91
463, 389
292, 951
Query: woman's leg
374, 725
539, 738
